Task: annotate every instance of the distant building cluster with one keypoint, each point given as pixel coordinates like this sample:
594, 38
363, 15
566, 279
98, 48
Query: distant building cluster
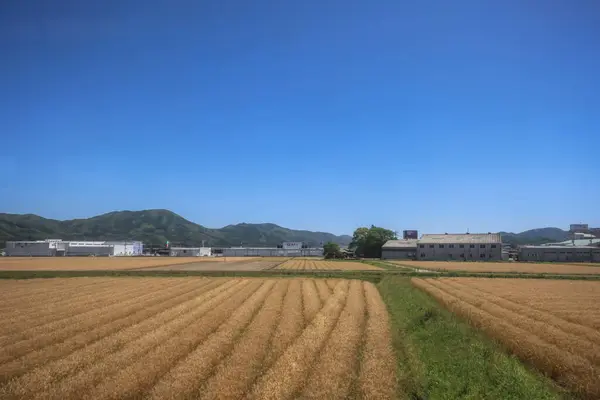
584, 246
58, 247
441, 247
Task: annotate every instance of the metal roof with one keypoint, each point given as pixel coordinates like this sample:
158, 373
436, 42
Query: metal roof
400, 244
545, 247
461, 238
576, 242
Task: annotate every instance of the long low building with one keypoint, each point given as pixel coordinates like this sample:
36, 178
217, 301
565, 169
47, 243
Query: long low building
559, 253
57, 247
190, 252
403, 249
268, 252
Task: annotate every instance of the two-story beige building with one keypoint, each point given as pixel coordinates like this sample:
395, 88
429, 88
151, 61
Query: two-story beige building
460, 247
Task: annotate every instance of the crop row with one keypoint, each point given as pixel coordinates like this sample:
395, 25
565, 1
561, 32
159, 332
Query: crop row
198, 338
522, 315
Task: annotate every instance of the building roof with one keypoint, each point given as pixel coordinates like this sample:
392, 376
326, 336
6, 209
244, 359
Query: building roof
461, 238
545, 247
576, 242
400, 244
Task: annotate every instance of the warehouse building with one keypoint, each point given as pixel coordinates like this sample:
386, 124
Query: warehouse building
58, 247
465, 247
190, 252
405, 249
269, 252
559, 253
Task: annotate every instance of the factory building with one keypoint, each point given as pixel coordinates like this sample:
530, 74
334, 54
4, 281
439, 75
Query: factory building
269, 252
57, 247
37, 248
190, 252
405, 249
547, 253
460, 247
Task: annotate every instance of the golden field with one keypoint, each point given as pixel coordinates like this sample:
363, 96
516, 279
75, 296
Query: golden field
517, 267
160, 338
312, 265
553, 325
101, 263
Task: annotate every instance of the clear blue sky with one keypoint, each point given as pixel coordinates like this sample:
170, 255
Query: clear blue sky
322, 115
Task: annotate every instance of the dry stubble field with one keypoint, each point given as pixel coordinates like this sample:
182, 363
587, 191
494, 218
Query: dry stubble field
160, 338
312, 265
517, 267
552, 324
102, 263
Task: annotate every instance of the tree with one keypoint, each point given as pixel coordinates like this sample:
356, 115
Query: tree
332, 250
367, 242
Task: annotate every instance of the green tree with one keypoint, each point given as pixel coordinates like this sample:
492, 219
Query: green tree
367, 242
332, 250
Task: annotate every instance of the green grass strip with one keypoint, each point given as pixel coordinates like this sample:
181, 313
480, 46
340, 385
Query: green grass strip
441, 357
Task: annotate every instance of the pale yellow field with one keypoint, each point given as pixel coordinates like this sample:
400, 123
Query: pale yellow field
551, 324
310, 265
208, 338
518, 267
102, 263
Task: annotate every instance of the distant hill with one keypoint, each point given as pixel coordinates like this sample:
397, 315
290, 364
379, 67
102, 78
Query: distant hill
536, 236
154, 227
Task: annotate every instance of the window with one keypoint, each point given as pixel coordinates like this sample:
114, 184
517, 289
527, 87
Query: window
472, 246
449, 255
462, 246
462, 255
423, 255
493, 246
482, 255
441, 246
451, 246
431, 246
482, 246
422, 246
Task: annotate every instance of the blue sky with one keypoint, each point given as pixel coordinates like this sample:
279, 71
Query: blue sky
322, 115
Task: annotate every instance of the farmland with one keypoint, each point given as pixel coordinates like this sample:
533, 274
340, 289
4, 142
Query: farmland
315, 265
553, 325
102, 263
506, 267
108, 338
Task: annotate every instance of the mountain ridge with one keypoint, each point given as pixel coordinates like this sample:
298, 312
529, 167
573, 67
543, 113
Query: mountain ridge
155, 226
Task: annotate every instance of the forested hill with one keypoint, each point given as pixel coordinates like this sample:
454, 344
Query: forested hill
536, 236
154, 227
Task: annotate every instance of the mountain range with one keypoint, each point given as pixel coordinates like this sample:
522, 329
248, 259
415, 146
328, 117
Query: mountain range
157, 226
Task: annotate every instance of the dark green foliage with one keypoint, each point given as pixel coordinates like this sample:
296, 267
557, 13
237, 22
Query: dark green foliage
367, 242
441, 357
154, 227
332, 250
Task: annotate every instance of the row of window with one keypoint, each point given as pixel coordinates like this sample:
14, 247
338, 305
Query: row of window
482, 255
460, 246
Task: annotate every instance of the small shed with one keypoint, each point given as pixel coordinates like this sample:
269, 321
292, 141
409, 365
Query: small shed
403, 249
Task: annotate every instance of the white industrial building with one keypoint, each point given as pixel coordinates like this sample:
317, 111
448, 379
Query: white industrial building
58, 247
190, 251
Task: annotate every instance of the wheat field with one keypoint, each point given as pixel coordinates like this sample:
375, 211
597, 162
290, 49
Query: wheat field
553, 325
162, 338
104, 263
504, 267
312, 265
